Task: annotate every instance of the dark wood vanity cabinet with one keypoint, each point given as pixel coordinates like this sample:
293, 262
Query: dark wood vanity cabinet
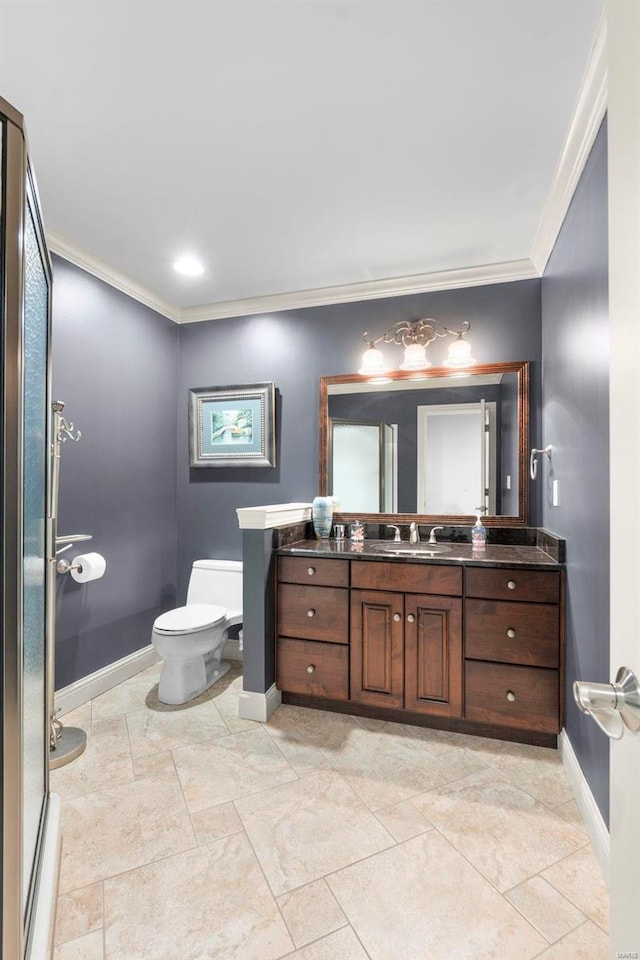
406, 651
406, 637
312, 653
513, 648
387, 639
377, 648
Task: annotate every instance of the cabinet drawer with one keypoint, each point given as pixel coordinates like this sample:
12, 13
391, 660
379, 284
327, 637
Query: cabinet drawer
313, 613
538, 586
407, 577
526, 633
522, 697
317, 669
322, 573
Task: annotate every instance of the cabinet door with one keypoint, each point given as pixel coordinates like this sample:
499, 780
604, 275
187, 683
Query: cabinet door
377, 648
433, 655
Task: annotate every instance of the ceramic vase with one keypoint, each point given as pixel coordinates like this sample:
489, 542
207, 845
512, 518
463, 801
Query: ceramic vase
322, 516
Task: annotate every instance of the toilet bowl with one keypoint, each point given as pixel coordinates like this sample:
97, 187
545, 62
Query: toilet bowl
191, 639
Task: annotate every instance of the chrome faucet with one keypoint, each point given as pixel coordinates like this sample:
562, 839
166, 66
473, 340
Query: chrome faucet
432, 535
414, 533
396, 537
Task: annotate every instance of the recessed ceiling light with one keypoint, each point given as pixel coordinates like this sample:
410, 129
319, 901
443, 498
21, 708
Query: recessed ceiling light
188, 266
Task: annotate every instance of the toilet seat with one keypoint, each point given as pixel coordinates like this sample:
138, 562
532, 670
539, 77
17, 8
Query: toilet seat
190, 619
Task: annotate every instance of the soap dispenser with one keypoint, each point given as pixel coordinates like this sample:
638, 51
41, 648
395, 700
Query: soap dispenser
479, 534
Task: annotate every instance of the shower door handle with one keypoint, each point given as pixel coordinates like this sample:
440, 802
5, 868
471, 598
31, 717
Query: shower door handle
613, 706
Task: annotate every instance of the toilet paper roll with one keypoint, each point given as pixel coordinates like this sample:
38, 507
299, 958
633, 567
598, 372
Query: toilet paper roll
91, 566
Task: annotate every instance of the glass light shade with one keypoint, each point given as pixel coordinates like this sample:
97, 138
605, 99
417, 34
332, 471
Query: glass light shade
459, 353
372, 362
415, 357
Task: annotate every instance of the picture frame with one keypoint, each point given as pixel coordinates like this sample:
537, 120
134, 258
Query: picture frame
232, 426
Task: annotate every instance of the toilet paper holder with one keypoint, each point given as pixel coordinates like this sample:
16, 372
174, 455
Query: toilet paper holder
63, 566
66, 543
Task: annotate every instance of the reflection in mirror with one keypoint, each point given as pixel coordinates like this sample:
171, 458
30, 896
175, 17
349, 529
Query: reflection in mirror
443, 446
364, 464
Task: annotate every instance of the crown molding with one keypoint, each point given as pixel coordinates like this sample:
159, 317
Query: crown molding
61, 245
585, 123
367, 290
506, 272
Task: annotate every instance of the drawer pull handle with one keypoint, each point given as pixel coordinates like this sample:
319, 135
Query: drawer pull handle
410, 618
311, 613
311, 668
511, 633
511, 696
311, 571
511, 584
397, 617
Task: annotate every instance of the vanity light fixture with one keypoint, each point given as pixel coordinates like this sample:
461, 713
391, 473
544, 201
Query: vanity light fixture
415, 336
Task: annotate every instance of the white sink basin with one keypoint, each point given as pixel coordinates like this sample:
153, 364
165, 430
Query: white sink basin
412, 549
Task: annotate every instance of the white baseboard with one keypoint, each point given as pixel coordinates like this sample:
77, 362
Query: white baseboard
259, 706
44, 908
85, 689
597, 828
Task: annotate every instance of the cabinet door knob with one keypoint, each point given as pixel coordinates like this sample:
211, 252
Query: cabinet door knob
311, 668
510, 696
511, 633
410, 618
311, 613
397, 617
311, 571
511, 584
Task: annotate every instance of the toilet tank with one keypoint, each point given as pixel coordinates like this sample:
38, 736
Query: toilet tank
218, 582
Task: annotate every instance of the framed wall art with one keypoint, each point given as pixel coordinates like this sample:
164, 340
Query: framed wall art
232, 426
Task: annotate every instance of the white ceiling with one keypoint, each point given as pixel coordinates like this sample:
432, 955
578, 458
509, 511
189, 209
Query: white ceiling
294, 145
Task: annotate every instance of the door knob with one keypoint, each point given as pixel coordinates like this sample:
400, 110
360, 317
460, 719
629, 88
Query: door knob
410, 618
613, 706
397, 617
511, 633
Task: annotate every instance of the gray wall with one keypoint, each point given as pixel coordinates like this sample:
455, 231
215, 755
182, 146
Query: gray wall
116, 368
294, 349
575, 346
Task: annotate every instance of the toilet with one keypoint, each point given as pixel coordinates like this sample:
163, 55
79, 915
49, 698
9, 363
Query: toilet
191, 639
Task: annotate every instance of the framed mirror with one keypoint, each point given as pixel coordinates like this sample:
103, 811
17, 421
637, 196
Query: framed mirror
433, 447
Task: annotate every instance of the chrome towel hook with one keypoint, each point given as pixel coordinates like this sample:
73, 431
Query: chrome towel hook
533, 463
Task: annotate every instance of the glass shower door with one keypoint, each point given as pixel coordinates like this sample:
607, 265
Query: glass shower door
34, 499
25, 279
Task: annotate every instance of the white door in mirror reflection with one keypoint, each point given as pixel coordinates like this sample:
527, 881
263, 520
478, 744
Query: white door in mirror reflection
364, 466
457, 458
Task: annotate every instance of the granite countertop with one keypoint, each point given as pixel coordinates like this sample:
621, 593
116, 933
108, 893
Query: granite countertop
495, 555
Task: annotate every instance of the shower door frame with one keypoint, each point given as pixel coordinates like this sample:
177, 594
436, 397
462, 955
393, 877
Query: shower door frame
19, 186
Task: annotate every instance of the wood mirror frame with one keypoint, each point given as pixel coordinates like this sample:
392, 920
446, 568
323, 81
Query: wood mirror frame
522, 519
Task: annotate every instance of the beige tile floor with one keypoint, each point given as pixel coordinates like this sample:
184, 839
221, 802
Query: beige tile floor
191, 834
